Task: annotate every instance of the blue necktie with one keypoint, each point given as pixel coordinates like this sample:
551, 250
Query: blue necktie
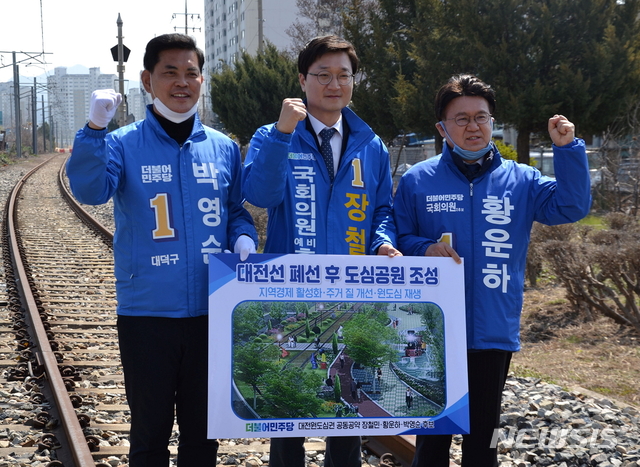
325, 149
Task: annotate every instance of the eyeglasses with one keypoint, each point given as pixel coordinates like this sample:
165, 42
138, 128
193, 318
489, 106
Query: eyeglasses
464, 120
324, 78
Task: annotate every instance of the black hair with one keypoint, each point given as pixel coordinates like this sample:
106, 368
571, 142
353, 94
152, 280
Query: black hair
322, 45
168, 42
463, 85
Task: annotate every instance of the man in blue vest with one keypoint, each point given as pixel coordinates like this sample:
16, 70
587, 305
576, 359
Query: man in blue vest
175, 184
471, 203
324, 176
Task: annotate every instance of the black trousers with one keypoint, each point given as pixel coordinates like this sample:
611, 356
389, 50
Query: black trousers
487, 372
165, 369
342, 451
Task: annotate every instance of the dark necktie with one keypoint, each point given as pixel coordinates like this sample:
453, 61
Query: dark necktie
325, 149
472, 170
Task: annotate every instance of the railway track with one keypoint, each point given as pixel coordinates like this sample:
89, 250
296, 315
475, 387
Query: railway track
59, 342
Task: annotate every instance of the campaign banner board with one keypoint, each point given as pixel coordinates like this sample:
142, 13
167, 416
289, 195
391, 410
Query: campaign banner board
336, 345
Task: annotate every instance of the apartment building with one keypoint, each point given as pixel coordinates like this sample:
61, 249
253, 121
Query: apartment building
69, 98
233, 26
7, 104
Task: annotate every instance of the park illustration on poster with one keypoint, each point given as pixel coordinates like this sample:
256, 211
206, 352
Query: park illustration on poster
324, 345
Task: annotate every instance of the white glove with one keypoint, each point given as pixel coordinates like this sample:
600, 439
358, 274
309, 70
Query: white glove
104, 103
245, 246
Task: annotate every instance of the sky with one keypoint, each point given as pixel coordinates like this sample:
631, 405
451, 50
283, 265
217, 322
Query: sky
82, 32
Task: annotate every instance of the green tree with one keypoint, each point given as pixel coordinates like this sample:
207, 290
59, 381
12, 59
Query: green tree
302, 307
337, 388
252, 361
249, 94
334, 343
380, 32
433, 320
368, 340
44, 130
506, 150
376, 312
575, 57
277, 312
292, 393
248, 319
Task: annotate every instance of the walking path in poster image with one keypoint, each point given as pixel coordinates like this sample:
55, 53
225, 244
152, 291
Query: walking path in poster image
379, 397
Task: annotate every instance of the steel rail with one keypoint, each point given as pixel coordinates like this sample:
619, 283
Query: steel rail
401, 448
44, 353
84, 216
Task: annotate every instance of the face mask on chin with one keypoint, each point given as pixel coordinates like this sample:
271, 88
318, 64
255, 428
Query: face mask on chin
172, 116
166, 112
467, 154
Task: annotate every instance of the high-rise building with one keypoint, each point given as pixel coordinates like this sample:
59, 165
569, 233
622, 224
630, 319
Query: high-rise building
70, 96
137, 100
233, 26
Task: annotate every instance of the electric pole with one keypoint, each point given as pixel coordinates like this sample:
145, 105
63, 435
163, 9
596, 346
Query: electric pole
260, 28
194, 16
44, 137
16, 97
34, 117
31, 57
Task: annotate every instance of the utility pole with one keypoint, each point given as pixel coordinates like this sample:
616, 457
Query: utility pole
16, 98
186, 20
34, 118
122, 116
30, 56
44, 138
51, 134
260, 28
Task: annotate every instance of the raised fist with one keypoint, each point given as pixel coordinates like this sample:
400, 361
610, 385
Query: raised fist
104, 103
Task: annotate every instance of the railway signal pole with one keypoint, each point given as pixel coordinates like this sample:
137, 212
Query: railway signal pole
122, 55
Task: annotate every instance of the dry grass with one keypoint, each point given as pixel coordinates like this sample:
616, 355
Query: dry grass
562, 347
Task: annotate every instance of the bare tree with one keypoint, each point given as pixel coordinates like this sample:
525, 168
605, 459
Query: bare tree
618, 185
600, 268
316, 18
